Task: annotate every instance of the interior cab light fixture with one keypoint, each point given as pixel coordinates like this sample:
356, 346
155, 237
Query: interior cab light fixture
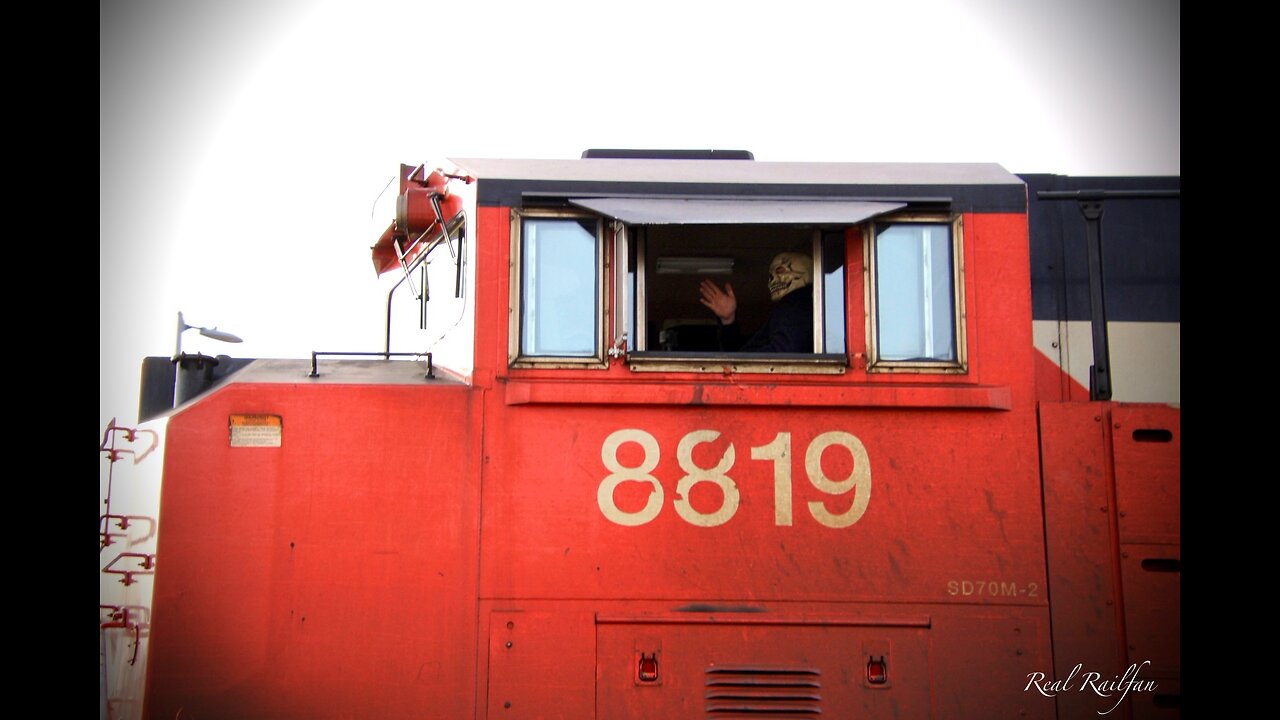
695, 266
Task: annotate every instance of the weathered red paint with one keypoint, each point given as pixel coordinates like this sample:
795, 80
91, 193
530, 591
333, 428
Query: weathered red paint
1111, 505
439, 550
1147, 445
331, 577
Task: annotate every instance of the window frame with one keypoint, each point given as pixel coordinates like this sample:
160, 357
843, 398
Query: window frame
876, 364
516, 355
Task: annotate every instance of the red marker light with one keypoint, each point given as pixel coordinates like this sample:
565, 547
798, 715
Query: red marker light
877, 671
648, 671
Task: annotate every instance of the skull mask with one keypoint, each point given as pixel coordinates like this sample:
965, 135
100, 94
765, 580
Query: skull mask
788, 272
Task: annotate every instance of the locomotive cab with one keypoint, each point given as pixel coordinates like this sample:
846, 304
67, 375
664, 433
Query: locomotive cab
612, 269
601, 506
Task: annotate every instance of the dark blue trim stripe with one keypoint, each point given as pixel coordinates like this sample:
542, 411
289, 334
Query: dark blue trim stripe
1141, 251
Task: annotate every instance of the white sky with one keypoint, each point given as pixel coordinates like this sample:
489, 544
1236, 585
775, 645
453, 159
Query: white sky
243, 142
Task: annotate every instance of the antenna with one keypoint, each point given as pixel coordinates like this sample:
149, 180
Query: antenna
212, 332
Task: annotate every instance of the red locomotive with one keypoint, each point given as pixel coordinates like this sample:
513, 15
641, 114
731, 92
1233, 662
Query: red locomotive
586, 504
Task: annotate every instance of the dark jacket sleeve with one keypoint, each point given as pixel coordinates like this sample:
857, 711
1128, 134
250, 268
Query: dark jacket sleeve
789, 328
730, 336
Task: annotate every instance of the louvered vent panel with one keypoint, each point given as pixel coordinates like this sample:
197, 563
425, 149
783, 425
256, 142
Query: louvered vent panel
763, 692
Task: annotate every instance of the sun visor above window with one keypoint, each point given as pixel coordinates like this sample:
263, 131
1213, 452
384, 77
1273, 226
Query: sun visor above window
701, 211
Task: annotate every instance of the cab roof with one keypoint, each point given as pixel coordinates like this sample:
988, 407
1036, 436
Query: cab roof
983, 187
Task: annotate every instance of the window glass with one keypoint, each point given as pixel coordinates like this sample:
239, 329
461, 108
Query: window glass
559, 294
833, 291
915, 292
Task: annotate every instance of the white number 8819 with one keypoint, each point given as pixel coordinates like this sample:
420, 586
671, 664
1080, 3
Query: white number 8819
778, 450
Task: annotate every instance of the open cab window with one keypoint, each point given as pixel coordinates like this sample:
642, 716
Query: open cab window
915, 296
671, 329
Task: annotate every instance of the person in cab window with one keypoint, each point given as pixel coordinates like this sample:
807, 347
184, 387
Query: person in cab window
789, 328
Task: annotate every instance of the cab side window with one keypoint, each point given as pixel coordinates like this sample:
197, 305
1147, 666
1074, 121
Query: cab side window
915, 296
558, 312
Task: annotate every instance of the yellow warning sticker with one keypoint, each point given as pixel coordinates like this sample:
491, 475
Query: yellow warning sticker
255, 430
